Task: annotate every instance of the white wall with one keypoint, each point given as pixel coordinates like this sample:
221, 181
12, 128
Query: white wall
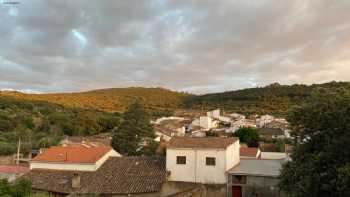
180, 172
73, 166
232, 155
214, 113
196, 169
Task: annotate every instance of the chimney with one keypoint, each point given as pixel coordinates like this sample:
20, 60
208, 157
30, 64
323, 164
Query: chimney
76, 180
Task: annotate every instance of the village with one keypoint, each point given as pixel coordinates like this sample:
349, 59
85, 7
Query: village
202, 156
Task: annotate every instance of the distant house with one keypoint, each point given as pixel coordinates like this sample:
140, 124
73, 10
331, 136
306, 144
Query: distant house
249, 153
79, 158
168, 128
271, 133
206, 122
11, 172
263, 120
254, 178
201, 160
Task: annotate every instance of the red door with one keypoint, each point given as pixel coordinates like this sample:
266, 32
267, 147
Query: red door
236, 191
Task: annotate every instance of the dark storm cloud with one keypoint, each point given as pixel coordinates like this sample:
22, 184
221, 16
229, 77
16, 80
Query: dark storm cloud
198, 46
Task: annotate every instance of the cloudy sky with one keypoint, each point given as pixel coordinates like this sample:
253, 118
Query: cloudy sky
186, 45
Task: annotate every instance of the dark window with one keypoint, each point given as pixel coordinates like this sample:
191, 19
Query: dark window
239, 179
181, 160
210, 161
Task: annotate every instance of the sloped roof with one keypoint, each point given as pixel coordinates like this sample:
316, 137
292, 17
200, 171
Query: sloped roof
14, 169
255, 167
248, 152
201, 142
118, 175
72, 154
270, 131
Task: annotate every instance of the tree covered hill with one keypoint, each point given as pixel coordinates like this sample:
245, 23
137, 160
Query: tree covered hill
111, 100
275, 98
42, 124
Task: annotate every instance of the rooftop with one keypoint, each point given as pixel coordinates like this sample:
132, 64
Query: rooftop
248, 152
72, 154
118, 175
270, 131
201, 142
14, 169
270, 168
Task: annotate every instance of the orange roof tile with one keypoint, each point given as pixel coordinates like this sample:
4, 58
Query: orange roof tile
75, 154
248, 152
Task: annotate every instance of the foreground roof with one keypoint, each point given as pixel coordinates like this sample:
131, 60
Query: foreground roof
118, 175
270, 168
14, 169
72, 154
201, 142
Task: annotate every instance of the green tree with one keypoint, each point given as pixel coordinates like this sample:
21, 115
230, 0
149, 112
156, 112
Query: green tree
135, 132
320, 163
248, 135
21, 188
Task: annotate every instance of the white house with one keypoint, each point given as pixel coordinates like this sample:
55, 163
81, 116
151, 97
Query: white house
79, 158
201, 160
214, 114
264, 120
207, 122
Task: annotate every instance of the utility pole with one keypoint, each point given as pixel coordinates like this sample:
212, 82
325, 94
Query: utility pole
18, 149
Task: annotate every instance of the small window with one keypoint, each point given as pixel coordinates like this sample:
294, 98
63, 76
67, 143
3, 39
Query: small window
181, 160
210, 161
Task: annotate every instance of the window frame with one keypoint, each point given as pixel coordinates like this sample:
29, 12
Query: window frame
181, 162
210, 161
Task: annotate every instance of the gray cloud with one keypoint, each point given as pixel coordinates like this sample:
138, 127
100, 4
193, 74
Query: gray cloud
197, 46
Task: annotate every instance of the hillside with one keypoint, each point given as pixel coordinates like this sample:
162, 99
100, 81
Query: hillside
41, 124
274, 99
113, 99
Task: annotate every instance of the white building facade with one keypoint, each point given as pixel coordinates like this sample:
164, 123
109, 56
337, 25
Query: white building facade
201, 160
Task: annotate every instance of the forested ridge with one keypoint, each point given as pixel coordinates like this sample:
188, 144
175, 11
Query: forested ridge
41, 124
272, 99
112, 99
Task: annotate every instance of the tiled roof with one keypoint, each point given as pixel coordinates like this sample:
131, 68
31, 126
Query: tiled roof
14, 169
76, 154
270, 131
118, 175
201, 142
248, 152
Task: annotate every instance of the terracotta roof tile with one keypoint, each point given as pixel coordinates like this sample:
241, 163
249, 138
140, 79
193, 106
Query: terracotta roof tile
75, 154
14, 169
201, 142
248, 152
118, 175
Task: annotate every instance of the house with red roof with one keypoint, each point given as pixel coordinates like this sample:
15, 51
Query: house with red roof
12, 172
80, 158
249, 153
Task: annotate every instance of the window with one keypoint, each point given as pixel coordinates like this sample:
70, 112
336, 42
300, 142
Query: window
181, 160
210, 161
239, 179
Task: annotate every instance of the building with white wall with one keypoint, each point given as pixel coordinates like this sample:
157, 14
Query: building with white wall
79, 158
201, 160
207, 122
214, 114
